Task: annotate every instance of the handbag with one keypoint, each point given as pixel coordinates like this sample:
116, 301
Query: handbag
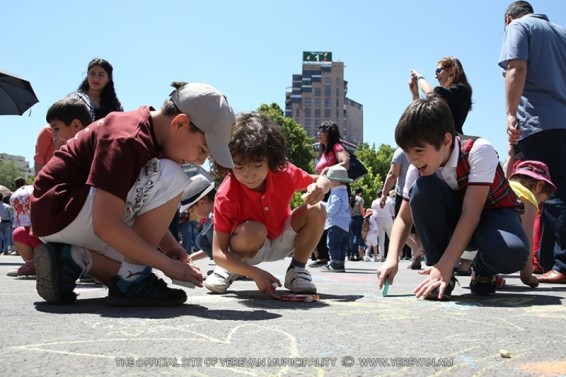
356, 170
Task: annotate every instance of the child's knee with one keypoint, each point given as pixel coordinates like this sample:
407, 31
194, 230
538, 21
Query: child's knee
248, 237
316, 212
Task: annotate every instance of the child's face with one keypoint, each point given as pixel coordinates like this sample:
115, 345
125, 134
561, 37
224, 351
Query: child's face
251, 174
200, 209
186, 147
62, 132
427, 159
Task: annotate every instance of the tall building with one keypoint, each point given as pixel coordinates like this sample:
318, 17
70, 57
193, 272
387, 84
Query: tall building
319, 93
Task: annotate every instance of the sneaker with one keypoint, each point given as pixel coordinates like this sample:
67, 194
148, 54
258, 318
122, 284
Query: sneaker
220, 280
146, 290
482, 284
299, 280
433, 296
499, 282
416, 263
367, 258
332, 267
27, 269
318, 263
56, 273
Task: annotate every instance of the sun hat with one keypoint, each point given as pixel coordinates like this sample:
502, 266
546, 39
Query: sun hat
534, 169
195, 191
338, 173
209, 110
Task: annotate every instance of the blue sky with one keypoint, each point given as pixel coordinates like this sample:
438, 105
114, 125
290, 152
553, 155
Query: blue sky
249, 49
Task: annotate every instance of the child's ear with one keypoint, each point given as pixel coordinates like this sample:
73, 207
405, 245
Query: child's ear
447, 139
179, 121
77, 125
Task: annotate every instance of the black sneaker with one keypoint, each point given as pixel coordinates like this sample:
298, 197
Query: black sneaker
56, 273
433, 296
146, 290
318, 263
483, 285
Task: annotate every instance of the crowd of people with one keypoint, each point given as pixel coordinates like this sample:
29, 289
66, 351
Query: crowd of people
111, 184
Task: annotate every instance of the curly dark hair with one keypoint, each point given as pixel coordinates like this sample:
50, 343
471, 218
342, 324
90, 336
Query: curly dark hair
255, 136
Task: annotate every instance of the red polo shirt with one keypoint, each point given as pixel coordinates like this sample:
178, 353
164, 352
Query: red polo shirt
235, 203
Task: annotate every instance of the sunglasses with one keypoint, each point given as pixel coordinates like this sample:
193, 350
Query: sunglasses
438, 70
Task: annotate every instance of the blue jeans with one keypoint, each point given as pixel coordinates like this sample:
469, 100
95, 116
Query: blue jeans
188, 234
203, 239
337, 243
5, 235
499, 237
548, 147
356, 230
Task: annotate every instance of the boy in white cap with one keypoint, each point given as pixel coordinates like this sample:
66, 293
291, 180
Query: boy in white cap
103, 203
337, 219
198, 199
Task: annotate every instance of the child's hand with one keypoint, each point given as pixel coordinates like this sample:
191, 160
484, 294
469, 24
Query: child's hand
435, 279
387, 271
180, 270
266, 283
177, 253
313, 195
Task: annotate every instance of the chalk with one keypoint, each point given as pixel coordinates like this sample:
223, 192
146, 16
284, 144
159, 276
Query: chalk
186, 284
385, 288
295, 297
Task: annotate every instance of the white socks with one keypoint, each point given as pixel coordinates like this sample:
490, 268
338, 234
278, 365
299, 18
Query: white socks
82, 257
130, 271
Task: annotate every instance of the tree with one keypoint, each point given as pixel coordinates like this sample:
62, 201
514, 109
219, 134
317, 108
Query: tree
299, 145
377, 162
9, 171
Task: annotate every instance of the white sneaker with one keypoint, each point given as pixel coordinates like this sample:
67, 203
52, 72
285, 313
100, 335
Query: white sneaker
367, 258
219, 280
299, 280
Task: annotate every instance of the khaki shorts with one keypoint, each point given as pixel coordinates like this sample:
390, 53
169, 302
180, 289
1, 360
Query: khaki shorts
159, 182
277, 249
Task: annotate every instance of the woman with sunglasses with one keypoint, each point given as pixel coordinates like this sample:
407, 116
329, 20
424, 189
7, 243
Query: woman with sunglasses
97, 89
454, 88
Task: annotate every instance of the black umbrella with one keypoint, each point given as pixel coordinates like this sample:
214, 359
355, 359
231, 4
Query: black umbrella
16, 94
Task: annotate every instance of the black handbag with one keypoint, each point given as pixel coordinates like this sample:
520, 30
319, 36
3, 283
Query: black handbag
356, 170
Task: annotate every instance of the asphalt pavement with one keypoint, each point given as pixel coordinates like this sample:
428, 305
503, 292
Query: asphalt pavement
352, 331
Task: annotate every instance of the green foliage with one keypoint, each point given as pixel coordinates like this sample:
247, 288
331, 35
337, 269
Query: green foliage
9, 171
377, 162
301, 153
299, 145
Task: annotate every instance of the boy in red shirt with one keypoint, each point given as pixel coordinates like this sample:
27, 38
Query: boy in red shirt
253, 221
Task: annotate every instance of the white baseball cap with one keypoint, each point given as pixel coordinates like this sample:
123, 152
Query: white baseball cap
195, 191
